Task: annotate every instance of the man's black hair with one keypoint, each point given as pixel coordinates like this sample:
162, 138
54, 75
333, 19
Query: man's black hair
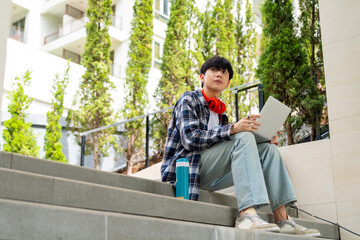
219, 63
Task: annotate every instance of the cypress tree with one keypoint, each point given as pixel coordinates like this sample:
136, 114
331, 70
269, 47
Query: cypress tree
176, 77
137, 71
283, 68
245, 59
222, 29
53, 146
205, 36
93, 99
311, 42
18, 134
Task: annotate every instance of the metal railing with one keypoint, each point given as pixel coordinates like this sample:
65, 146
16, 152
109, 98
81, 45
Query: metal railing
66, 28
235, 90
84, 134
246, 87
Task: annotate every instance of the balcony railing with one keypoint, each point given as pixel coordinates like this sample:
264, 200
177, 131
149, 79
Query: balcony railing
17, 33
76, 24
66, 28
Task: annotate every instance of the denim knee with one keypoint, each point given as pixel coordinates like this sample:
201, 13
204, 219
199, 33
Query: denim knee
273, 148
273, 151
245, 137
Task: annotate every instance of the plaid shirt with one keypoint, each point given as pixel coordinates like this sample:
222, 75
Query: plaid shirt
188, 135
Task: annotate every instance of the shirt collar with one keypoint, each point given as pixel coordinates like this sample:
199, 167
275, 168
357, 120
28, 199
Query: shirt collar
201, 97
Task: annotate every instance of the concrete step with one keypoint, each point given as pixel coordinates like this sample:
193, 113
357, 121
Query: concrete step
32, 221
56, 169
61, 170
30, 187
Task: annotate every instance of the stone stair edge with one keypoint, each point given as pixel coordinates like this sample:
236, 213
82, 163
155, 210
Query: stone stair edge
41, 176
107, 225
64, 192
22, 163
72, 193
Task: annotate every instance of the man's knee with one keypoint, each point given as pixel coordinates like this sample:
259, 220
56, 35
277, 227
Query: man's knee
272, 150
245, 137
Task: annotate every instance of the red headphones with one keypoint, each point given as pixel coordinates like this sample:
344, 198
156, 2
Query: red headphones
215, 105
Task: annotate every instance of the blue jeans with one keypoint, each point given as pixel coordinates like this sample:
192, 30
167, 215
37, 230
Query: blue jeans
256, 171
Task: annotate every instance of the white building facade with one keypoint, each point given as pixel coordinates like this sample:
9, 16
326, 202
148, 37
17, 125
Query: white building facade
41, 35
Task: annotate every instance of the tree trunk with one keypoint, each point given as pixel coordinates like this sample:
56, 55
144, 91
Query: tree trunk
313, 132
312, 42
289, 133
96, 151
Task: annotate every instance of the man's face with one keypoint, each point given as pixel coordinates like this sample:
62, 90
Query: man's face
215, 79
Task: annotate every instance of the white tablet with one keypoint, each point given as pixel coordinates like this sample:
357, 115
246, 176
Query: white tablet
273, 116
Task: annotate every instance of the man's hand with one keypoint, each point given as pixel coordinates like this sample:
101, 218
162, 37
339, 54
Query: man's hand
246, 124
275, 139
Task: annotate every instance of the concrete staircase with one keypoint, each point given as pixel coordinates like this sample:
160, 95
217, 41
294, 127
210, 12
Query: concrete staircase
41, 199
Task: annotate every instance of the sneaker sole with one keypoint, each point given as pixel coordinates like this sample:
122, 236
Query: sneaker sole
310, 235
275, 230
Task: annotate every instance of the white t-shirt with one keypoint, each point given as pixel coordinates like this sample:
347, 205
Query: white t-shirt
213, 120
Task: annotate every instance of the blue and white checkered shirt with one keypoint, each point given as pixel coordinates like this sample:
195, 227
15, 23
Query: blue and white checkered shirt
188, 135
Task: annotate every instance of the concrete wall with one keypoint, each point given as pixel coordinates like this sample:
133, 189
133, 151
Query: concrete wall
311, 171
340, 28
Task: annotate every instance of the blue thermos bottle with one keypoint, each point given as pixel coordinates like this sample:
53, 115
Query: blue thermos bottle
182, 178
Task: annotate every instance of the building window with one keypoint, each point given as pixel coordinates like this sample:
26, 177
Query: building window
73, 12
157, 5
17, 30
157, 55
157, 51
162, 10
166, 7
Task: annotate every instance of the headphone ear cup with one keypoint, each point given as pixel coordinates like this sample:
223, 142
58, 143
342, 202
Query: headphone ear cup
222, 107
214, 104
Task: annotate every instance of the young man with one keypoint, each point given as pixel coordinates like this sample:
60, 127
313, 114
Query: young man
222, 154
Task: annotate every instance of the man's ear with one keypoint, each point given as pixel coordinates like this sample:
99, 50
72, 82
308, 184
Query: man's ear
202, 76
228, 83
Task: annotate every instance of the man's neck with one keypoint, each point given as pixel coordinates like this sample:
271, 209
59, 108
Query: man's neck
211, 94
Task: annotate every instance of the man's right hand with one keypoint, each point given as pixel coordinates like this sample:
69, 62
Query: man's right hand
246, 124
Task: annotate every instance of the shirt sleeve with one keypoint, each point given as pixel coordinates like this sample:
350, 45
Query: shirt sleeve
193, 138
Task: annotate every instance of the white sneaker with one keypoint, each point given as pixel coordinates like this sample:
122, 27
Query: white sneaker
254, 222
290, 227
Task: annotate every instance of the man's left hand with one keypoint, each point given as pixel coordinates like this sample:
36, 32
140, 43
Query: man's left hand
275, 139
